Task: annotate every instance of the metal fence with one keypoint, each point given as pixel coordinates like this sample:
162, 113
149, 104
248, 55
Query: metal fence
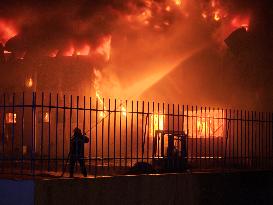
36, 131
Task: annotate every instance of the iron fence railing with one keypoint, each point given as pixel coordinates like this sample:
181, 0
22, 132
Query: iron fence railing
127, 136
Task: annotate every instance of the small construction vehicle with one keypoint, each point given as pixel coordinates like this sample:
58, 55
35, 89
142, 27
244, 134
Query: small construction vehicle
169, 150
169, 154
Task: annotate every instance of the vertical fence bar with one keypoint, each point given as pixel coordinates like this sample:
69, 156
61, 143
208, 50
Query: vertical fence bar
142, 132
56, 134
102, 133
213, 136
96, 148
200, 139
64, 123
114, 144
187, 140
76, 138
245, 141
217, 142
42, 134
192, 131
22, 133
232, 127
90, 135
157, 138
269, 136
237, 136
173, 114
35, 134
265, 139
162, 137
205, 137
241, 142
120, 136
12, 133
84, 128
248, 140
168, 116
196, 136
225, 137
255, 138
209, 137
137, 135
259, 157
132, 127
32, 133
262, 140
252, 139
126, 132
108, 133
70, 124
49, 140
3, 133
147, 131
182, 135
271, 144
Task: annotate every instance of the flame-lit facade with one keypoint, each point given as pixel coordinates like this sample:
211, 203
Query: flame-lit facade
176, 51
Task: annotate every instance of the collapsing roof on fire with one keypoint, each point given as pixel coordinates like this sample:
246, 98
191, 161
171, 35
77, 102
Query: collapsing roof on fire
200, 52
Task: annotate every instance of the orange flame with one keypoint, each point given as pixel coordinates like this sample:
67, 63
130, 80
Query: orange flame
29, 82
240, 21
69, 51
157, 123
105, 48
83, 50
216, 16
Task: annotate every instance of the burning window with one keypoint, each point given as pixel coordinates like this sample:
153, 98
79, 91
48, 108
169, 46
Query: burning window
206, 124
157, 123
10, 118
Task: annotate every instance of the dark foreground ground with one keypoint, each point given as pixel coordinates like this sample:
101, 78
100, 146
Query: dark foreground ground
188, 188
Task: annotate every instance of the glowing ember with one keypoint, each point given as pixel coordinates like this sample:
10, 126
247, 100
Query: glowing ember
216, 16
178, 2
46, 117
204, 15
168, 8
123, 110
213, 3
53, 53
29, 82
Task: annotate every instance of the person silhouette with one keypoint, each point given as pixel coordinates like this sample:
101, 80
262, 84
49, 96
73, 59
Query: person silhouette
77, 151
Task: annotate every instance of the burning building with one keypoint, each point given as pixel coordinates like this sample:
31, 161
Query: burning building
190, 52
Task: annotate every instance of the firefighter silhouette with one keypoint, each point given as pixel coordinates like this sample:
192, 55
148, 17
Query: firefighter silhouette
77, 151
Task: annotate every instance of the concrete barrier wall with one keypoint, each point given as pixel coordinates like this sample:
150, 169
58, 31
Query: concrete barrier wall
233, 188
16, 192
